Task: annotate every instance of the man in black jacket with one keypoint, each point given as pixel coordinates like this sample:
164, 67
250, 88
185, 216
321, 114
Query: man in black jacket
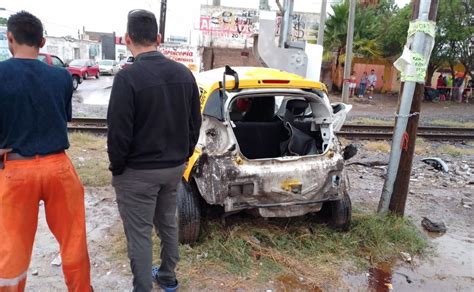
153, 120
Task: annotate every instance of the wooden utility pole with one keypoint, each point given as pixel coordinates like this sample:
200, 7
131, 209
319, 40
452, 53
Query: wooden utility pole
402, 181
163, 20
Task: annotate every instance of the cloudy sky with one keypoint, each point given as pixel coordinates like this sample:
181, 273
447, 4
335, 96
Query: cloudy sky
66, 17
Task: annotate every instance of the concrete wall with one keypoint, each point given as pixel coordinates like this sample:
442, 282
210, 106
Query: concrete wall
229, 27
219, 57
69, 49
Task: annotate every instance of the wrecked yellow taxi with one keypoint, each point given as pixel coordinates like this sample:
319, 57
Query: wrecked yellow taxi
267, 144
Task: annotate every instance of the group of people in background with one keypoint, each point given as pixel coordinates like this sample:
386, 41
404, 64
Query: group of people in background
454, 89
366, 84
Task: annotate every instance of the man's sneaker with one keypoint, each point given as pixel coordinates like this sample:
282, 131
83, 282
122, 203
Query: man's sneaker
166, 288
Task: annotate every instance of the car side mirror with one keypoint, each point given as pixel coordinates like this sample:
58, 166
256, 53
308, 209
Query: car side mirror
66, 65
88, 66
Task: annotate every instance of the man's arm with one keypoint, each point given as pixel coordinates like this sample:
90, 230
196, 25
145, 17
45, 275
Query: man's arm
120, 117
194, 120
69, 90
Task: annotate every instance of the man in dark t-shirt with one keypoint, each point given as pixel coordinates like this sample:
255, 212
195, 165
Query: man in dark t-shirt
35, 106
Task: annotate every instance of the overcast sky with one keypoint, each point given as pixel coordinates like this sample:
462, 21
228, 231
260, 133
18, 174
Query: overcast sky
65, 17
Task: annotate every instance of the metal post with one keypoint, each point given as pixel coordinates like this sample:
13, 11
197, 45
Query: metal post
163, 19
285, 24
348, 61
419, 46
216, 2
322, 22
402, 182
264, 5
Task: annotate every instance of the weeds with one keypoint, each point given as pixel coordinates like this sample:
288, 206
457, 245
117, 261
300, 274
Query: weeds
454, 151
454, 124
372, 122
89, 156
260, 250
379, 146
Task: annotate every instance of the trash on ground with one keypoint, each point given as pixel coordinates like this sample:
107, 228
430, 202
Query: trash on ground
431, 226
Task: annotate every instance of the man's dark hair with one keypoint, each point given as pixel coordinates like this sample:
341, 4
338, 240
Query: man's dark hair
26, 28
142, 27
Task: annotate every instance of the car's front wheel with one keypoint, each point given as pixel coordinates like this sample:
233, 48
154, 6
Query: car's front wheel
189, 213
75, 82
86, 75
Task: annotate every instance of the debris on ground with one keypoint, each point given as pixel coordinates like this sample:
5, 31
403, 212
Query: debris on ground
35, 273
437, 163
431, 226
57, 261
406, 257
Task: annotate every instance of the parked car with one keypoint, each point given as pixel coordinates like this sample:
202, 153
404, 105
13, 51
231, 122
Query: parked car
109, 67
53, 60
87, 67
127, 62
267, 144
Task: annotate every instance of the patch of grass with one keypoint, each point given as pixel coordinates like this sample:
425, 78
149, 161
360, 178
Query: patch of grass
379, 146
454, 124
422, 147
371, 122
454, 151
259, 250
89, 155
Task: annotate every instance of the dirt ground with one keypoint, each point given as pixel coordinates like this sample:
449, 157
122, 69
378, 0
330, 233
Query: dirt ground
439, 196
436, 195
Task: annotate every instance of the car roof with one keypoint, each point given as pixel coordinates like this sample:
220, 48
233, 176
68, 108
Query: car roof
256, 77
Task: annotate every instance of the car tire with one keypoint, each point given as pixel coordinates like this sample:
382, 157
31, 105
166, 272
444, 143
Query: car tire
189, 213
97, 75
86, 75
340, 213
76, 80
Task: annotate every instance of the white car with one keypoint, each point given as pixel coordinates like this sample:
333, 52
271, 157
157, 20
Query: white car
109, 67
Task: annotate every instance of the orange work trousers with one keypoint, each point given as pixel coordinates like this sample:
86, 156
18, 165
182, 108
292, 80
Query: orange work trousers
23, 183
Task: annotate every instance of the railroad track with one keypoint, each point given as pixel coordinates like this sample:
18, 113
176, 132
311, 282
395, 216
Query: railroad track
349, 131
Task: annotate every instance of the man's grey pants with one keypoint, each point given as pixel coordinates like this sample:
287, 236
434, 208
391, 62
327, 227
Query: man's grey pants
146, 198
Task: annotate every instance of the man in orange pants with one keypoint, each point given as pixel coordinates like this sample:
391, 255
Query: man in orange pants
35, 105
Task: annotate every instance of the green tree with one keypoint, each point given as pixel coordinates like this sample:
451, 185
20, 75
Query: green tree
393, 34
454, 30
3, 21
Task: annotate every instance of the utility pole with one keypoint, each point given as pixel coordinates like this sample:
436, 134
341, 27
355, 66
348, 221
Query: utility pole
216, 2
285, 24
264, 5
163, 20
348, 61
399, 168
402, 182
322, 22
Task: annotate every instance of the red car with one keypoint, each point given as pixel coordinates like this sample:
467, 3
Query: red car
56, 62
88, 68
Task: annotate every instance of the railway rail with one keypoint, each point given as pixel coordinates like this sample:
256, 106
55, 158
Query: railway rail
349, 131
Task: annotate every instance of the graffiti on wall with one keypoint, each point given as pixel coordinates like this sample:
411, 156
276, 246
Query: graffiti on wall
234, 23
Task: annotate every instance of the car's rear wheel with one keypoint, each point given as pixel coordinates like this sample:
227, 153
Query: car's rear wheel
189, 213
75, 82
86, 75
340, 213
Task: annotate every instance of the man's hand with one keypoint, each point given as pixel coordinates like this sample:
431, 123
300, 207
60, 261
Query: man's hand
3, 151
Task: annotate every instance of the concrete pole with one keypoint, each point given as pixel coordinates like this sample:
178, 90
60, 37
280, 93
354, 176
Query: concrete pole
285, 24
264, 5
322, 22
402, 182
216, 2
419, 45
163, 20
348, 61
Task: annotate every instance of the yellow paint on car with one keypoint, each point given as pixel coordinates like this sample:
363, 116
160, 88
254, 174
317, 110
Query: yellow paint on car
191, 162
290, 184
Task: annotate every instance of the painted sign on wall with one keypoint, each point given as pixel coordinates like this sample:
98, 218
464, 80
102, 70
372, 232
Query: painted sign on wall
186, 55
238, 24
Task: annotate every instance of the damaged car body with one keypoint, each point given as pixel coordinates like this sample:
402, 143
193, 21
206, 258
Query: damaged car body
267, 144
